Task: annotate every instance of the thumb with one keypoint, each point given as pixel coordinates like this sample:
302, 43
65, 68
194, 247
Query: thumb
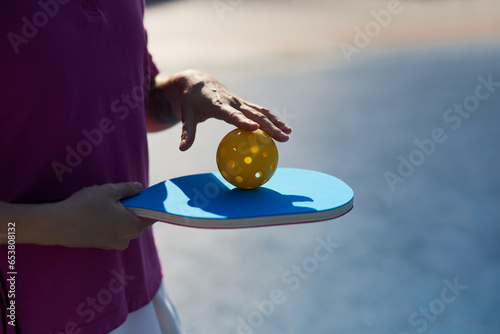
126, 189
188, 129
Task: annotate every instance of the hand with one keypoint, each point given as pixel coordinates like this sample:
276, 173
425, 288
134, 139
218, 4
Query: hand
196, 96
96, 218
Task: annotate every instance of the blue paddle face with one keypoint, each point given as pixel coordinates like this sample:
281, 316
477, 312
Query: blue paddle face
207, 200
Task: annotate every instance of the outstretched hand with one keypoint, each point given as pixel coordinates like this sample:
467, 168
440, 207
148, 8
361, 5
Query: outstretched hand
194, 96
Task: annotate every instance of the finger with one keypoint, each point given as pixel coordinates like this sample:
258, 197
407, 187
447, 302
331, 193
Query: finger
237, 118
119, 245
266, 124
126, 189
147, 221
271, 116
188, 129
276, 121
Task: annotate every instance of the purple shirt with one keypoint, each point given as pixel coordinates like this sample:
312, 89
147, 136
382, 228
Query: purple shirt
74, 83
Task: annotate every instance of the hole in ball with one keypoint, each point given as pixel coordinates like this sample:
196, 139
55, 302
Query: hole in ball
231, 164
273, 166
265, 153
258, 174
248, 160
239, 179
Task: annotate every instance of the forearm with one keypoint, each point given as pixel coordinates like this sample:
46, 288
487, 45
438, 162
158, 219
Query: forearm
91, 217
33, 223
163, 110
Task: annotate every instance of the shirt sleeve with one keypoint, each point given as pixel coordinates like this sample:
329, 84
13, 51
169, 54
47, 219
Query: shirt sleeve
152, 67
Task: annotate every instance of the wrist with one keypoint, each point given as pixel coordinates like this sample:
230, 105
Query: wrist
163, 110
34, 223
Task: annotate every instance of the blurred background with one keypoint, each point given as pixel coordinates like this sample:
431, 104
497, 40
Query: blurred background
401, 100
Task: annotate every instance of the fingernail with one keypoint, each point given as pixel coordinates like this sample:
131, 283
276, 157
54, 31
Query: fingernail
138, 185
284, 136
182, 145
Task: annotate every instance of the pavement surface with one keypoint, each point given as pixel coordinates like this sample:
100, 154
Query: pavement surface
241, 37
410, 122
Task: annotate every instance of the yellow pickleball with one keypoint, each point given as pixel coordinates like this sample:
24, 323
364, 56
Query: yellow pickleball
247, 159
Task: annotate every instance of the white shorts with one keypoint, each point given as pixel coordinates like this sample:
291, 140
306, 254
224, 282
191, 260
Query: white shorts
158, 317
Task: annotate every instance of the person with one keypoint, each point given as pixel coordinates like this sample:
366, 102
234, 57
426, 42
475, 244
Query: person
79, 91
